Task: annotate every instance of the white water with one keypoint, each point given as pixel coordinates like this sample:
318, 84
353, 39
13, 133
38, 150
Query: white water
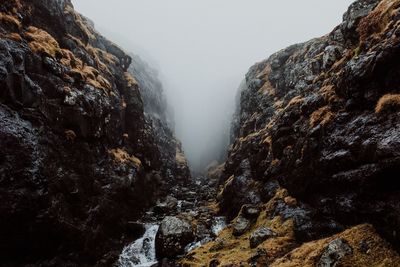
218, 225
142, 252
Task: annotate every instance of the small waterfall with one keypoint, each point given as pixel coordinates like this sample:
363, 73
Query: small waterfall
142, 252
218, 225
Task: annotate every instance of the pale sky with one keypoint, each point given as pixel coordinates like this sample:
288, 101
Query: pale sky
203, 48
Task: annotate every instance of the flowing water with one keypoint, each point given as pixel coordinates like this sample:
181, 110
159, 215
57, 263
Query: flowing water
142, 252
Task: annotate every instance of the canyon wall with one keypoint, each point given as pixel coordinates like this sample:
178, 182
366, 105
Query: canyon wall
84, 146
315, 151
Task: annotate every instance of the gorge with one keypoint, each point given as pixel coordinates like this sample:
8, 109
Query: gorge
92, 173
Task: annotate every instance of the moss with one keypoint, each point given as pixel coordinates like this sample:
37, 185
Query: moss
12, 36
9, 20
70, 135
131, 81
378, 20
379, 252
120, 156
388, 103
41, 41
321, 116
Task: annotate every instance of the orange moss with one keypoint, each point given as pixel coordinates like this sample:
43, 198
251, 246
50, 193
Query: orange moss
267, 88
131, 81
379, 253
10, 21
70, 135
229, 249
69, 10
295, 101
321, 116
388, 102
41, 41
122, 157
377, 21
328, 92
12, 36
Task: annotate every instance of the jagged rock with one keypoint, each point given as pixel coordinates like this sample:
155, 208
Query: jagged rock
335, 250
251, 212
312, 125
241, 225
172, 237
77, 150
260, 235
213, 263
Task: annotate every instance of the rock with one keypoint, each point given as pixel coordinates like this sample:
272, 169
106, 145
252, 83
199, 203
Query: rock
240, 226
79, 157
260, 235
314, 128
335, 250
251, 212
136, 229
214, 263
172, 237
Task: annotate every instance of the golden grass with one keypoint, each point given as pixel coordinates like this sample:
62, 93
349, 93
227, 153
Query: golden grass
321, 116
120, 156
12, 36
378, 20
70, 135
10, 20
41, 41
387, 103
267, 88
283, 251
379, 253
229, 249
131, 81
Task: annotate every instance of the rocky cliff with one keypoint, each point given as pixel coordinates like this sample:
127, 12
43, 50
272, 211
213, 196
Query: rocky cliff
79, 157
315, 152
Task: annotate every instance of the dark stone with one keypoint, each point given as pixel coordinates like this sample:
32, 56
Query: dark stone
260, 235
172, 237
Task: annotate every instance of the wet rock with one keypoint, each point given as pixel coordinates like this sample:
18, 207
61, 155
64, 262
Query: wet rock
214, 263
240, 226
335, 250
260, 235
172, 237
251, 212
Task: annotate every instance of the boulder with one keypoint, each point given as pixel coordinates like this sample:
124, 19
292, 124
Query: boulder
335, 250
260, 235
241, 225
172, 237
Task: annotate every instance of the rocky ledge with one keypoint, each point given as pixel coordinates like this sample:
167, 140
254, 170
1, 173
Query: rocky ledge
315, 146
79, 157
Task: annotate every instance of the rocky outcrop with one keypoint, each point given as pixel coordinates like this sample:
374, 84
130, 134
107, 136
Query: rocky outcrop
310, 120
158, 113
316, 141
79, 159
172, 237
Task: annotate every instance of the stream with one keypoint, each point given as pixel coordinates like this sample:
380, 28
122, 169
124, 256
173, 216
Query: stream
191, 200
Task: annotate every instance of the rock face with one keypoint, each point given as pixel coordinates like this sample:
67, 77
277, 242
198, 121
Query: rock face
172, 237
315, 145
158, 114
321, 119
79, 158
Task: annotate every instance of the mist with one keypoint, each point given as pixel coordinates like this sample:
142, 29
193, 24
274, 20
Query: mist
203, 49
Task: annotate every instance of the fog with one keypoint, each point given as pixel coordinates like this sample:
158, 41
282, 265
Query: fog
204, 48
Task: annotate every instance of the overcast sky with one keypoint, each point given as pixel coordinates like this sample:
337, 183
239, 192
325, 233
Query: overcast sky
203, 48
